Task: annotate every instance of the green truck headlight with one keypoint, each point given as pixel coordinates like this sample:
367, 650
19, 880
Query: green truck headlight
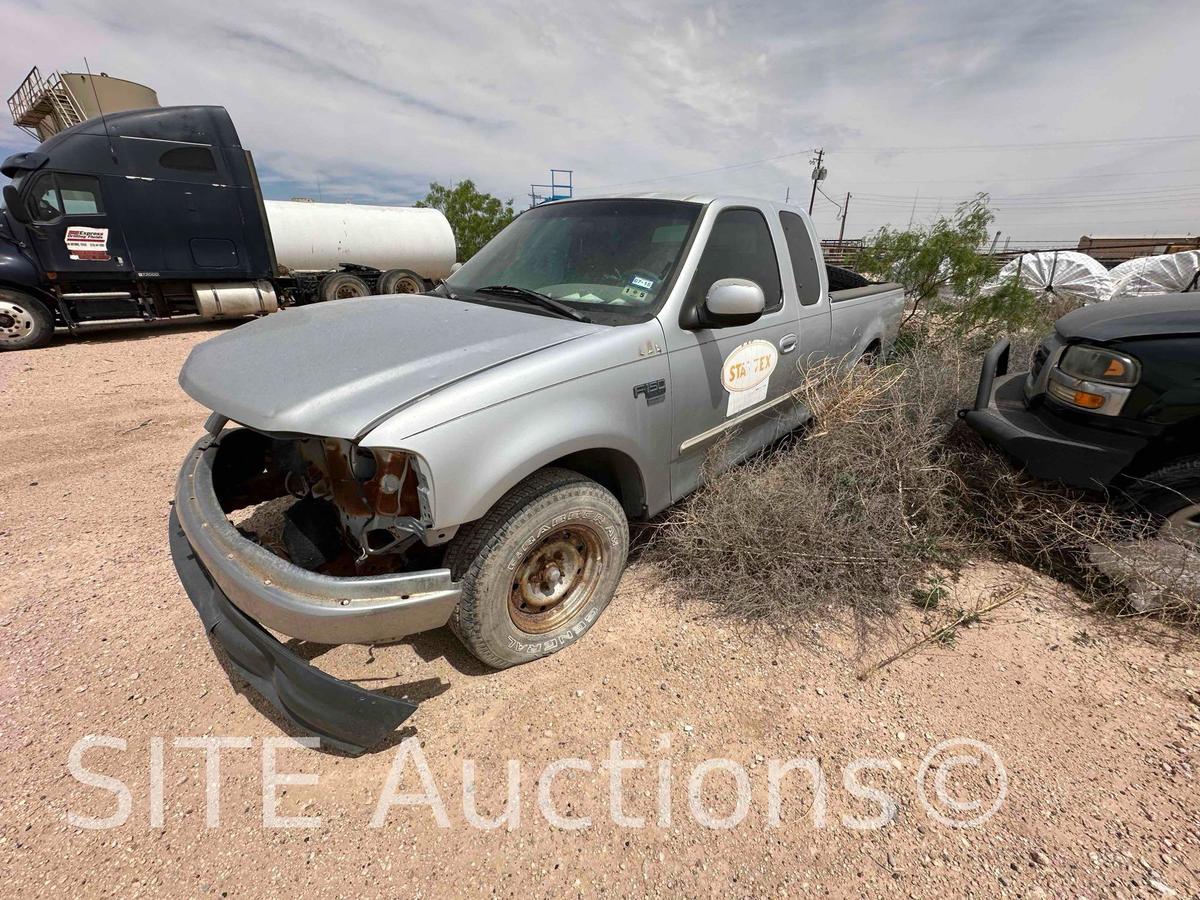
1098, 364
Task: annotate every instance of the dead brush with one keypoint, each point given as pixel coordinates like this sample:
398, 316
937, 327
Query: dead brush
849, 516
885, 488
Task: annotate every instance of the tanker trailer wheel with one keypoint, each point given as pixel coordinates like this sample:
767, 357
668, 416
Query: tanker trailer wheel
25, 322
401, 281
341, 286
538, 569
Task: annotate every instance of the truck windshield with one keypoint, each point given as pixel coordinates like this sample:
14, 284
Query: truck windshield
612, 260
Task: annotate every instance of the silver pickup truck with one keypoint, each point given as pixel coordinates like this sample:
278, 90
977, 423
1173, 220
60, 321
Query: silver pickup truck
473, 456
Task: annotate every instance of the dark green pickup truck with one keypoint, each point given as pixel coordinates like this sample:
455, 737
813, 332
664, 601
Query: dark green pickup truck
1111, 401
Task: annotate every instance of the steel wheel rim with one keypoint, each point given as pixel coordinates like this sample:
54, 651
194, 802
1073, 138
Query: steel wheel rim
1185, 524
556, 579
16, 322
408, 286
346, 291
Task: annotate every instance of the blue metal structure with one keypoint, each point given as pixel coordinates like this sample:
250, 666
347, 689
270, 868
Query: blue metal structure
559, 189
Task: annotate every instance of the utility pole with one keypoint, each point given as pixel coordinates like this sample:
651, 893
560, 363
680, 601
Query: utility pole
817, 175
845, 210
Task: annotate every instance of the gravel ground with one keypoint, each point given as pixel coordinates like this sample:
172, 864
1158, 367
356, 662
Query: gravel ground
1096, 722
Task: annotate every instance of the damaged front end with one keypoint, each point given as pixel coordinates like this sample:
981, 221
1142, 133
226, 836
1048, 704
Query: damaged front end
347, 565
347, 499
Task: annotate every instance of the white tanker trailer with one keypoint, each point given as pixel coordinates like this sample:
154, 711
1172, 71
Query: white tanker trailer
154, 213
391, 249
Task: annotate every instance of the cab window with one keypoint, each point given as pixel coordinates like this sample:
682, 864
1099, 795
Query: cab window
739, 246
56, 194
804, 261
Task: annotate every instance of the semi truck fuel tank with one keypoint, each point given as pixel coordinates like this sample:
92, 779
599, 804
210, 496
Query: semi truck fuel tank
233, 300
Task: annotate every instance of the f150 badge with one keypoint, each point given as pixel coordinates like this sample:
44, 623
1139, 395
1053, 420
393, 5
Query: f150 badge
746, 374
89, 244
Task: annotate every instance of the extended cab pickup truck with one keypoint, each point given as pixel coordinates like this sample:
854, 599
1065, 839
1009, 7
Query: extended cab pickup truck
1110, 402
473, 456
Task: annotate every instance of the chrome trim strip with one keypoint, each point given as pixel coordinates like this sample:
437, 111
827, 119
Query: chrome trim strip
749, 414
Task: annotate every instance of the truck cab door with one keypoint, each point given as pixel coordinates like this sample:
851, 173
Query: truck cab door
732, 387
70, 231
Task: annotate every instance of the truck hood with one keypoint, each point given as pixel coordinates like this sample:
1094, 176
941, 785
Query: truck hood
337, 369
1151, 315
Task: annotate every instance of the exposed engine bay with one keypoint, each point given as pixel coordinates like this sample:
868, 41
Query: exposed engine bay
350, 504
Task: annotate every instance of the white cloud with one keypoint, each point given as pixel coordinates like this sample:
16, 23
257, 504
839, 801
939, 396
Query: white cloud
371, 101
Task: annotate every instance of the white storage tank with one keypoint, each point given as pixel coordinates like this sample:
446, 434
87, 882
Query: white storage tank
318, 237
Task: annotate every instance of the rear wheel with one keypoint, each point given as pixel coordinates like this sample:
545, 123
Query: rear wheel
25, 322
401, 281
342, 286
1171, 495
539, 568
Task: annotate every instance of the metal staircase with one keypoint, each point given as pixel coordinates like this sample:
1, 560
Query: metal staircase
44, 106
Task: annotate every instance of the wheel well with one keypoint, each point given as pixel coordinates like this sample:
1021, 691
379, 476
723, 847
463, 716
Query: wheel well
612, 469
47, 300
1175, 443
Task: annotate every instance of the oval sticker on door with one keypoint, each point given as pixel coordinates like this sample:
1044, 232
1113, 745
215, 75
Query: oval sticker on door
746, 374
749, 366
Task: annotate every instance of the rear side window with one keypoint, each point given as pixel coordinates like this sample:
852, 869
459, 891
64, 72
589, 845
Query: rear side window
188, 159
804, 260
740, 246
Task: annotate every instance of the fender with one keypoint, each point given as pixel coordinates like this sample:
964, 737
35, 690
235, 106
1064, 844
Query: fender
470, 471
19, 272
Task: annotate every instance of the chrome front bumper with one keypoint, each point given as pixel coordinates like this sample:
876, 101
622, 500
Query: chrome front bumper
286, 598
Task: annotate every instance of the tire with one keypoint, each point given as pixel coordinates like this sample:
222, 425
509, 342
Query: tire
25, 322
401, 281
342, 286
1171, 496
554, 528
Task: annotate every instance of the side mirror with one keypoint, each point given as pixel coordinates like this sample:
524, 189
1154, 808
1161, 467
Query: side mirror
732, 301
16, 206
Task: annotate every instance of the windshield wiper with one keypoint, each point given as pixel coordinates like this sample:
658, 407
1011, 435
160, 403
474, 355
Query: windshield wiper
542, 300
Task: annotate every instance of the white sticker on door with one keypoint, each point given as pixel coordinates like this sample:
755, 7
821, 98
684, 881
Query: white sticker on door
746, 374
87, 243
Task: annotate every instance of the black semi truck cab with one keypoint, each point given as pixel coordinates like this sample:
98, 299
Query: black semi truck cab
122, 217
1111, 401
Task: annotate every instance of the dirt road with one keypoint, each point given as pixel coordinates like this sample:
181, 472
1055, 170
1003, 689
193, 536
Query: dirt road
1090, 720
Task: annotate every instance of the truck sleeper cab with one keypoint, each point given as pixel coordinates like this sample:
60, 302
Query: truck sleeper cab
158, 212
473, 457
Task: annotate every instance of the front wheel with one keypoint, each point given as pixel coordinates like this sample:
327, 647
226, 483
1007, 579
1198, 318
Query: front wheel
25, 322
1171, 495
539, 568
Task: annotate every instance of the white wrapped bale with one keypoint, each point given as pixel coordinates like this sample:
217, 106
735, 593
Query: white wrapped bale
1171, 273
1063, 273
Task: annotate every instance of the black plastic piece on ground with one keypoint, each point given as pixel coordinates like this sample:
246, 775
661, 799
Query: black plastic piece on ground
343, 715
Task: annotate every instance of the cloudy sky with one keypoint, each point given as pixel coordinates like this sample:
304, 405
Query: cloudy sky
1078, 117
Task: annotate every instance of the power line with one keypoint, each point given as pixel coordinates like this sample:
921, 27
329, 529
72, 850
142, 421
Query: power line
895, 150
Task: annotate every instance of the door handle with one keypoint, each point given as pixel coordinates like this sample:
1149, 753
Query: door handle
787, 343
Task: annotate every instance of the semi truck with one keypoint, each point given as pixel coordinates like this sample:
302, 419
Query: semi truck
152, 213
